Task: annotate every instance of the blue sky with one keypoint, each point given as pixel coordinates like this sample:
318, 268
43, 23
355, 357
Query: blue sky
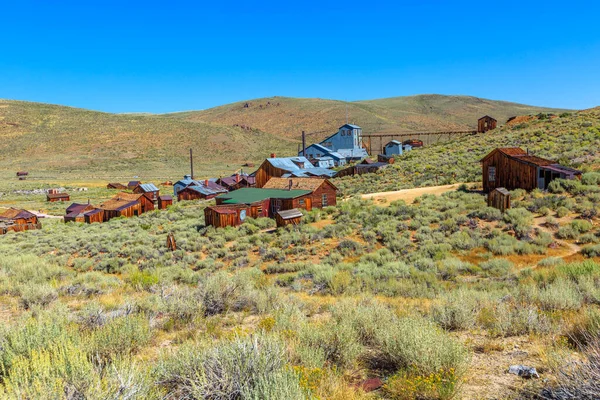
128, 56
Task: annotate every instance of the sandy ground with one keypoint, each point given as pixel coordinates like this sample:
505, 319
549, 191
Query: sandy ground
408, 195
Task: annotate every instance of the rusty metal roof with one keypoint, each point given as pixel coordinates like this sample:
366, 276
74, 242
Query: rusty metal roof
311, 184
14, 213
289, 214
117, 205
165, 197
57, 195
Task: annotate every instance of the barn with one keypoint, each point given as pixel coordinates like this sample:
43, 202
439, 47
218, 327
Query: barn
288, 166
322, 191
486, 123
149, 189
514, 168
164, 201
52, 197
17, 220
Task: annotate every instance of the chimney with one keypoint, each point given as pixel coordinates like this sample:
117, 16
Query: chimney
206, 182
191, 165
237, 178
272, 155
303, 144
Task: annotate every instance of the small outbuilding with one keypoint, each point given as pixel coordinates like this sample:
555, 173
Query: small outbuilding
115, 185
227, 215
52, 197
288, 217
393, 148
412, 143
132, 184
486, 123
75, 212
164, 201
149, 189
499, 198
17, 220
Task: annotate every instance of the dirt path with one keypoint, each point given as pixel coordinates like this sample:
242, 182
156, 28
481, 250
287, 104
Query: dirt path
42, 215
408, 195
571, 248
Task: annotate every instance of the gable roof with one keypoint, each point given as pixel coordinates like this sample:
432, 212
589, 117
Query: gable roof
518, 154
290, 163
252, 195
353, 153
289, 214
148, 187
14, 213
486, 116
77, 207
201, 189
311, 184
319, 147
128, 196
133, 183
117, 204
165, 197
350, 126
393, 142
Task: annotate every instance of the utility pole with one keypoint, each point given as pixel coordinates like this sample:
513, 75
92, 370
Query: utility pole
191, 164
346, 112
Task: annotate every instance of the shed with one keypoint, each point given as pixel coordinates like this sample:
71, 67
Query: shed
288, 217
120, 208
393, 148
164, 201
95, 215
116, 185
75, 212
52, 197
514, 168
499, 198
486, 123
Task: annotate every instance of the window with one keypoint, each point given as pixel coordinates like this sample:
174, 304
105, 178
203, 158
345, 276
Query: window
324, 200
541, 173
492, 174
301, 202
259, 210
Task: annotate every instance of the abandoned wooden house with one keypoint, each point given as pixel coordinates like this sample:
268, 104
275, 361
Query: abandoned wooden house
115, 185
268, 201
164, 201
322, 191
514, 168
360, 169
499, 198
132, 184
486, 123
74, 212
289, 167
120, 208
188, 181
196, 193
148, 188
17, 220
288, 217
52, 197
145, 199
236, 181
229, 214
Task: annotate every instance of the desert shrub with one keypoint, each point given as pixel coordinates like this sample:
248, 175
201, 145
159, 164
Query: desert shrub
334, 343
550, 261
457, 311
590, 178
121, 337
252, 367
502, 245
519, 220
591, 251
506, 318
441, 385
581, 226
143, 279
567, 232
496, 267
562, 212
561, 294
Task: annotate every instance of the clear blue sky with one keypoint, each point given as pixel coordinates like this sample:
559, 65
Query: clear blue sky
128, 56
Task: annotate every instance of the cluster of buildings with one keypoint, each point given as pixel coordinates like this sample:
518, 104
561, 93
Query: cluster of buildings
17, 220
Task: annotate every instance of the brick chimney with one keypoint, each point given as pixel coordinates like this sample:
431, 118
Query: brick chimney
272, 155
237, 178
206, 182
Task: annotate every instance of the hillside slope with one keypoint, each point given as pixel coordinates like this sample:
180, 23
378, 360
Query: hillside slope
60, 142
287, 117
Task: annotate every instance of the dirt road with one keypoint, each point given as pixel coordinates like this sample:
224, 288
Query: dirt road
408, 195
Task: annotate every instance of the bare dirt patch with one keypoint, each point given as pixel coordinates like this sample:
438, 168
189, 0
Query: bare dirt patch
408, 195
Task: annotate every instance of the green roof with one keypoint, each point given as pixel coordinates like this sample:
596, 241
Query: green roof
251, 195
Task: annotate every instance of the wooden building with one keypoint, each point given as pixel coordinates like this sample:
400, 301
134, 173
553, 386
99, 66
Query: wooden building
289, 166
75, 212
268, 200
52, 197
486, 123
132, 184
412, 143
322, 191
145, 199
499, 198
196, 193
360, 169
514, 168
227, 215
95, 215
120, 208
236, 181
164, 201
148, 188
17, 220
115, 185
288, 217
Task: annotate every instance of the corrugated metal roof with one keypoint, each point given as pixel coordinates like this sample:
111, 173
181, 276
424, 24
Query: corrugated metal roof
93, 212
290, 163
353, 153
289, 214
252, 195
319, 147
351, 126
393, 142
149, 187
336, 155
201, 189
562, 169
76, 207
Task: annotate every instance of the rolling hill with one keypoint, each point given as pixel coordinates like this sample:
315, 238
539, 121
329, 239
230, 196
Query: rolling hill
57, 142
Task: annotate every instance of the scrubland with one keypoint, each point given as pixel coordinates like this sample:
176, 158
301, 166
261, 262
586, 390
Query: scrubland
435, 298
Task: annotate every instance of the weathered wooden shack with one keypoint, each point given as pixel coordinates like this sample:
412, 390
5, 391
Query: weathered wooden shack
514, 168
164, 201
115, 185
236, 181
95, 215
486, 123
17, 220
226, 215
499, 198
53, 197
196, 193
120, 208
75, 212
288, 217
132, 184
145, 199
393, 148
322, 191
148, 188
268, 201
360, 169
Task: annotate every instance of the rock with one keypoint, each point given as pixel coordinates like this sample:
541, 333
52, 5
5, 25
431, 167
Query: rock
523, 371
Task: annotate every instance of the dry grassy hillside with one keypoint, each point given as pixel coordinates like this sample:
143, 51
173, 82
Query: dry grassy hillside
289, 116
57, 142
